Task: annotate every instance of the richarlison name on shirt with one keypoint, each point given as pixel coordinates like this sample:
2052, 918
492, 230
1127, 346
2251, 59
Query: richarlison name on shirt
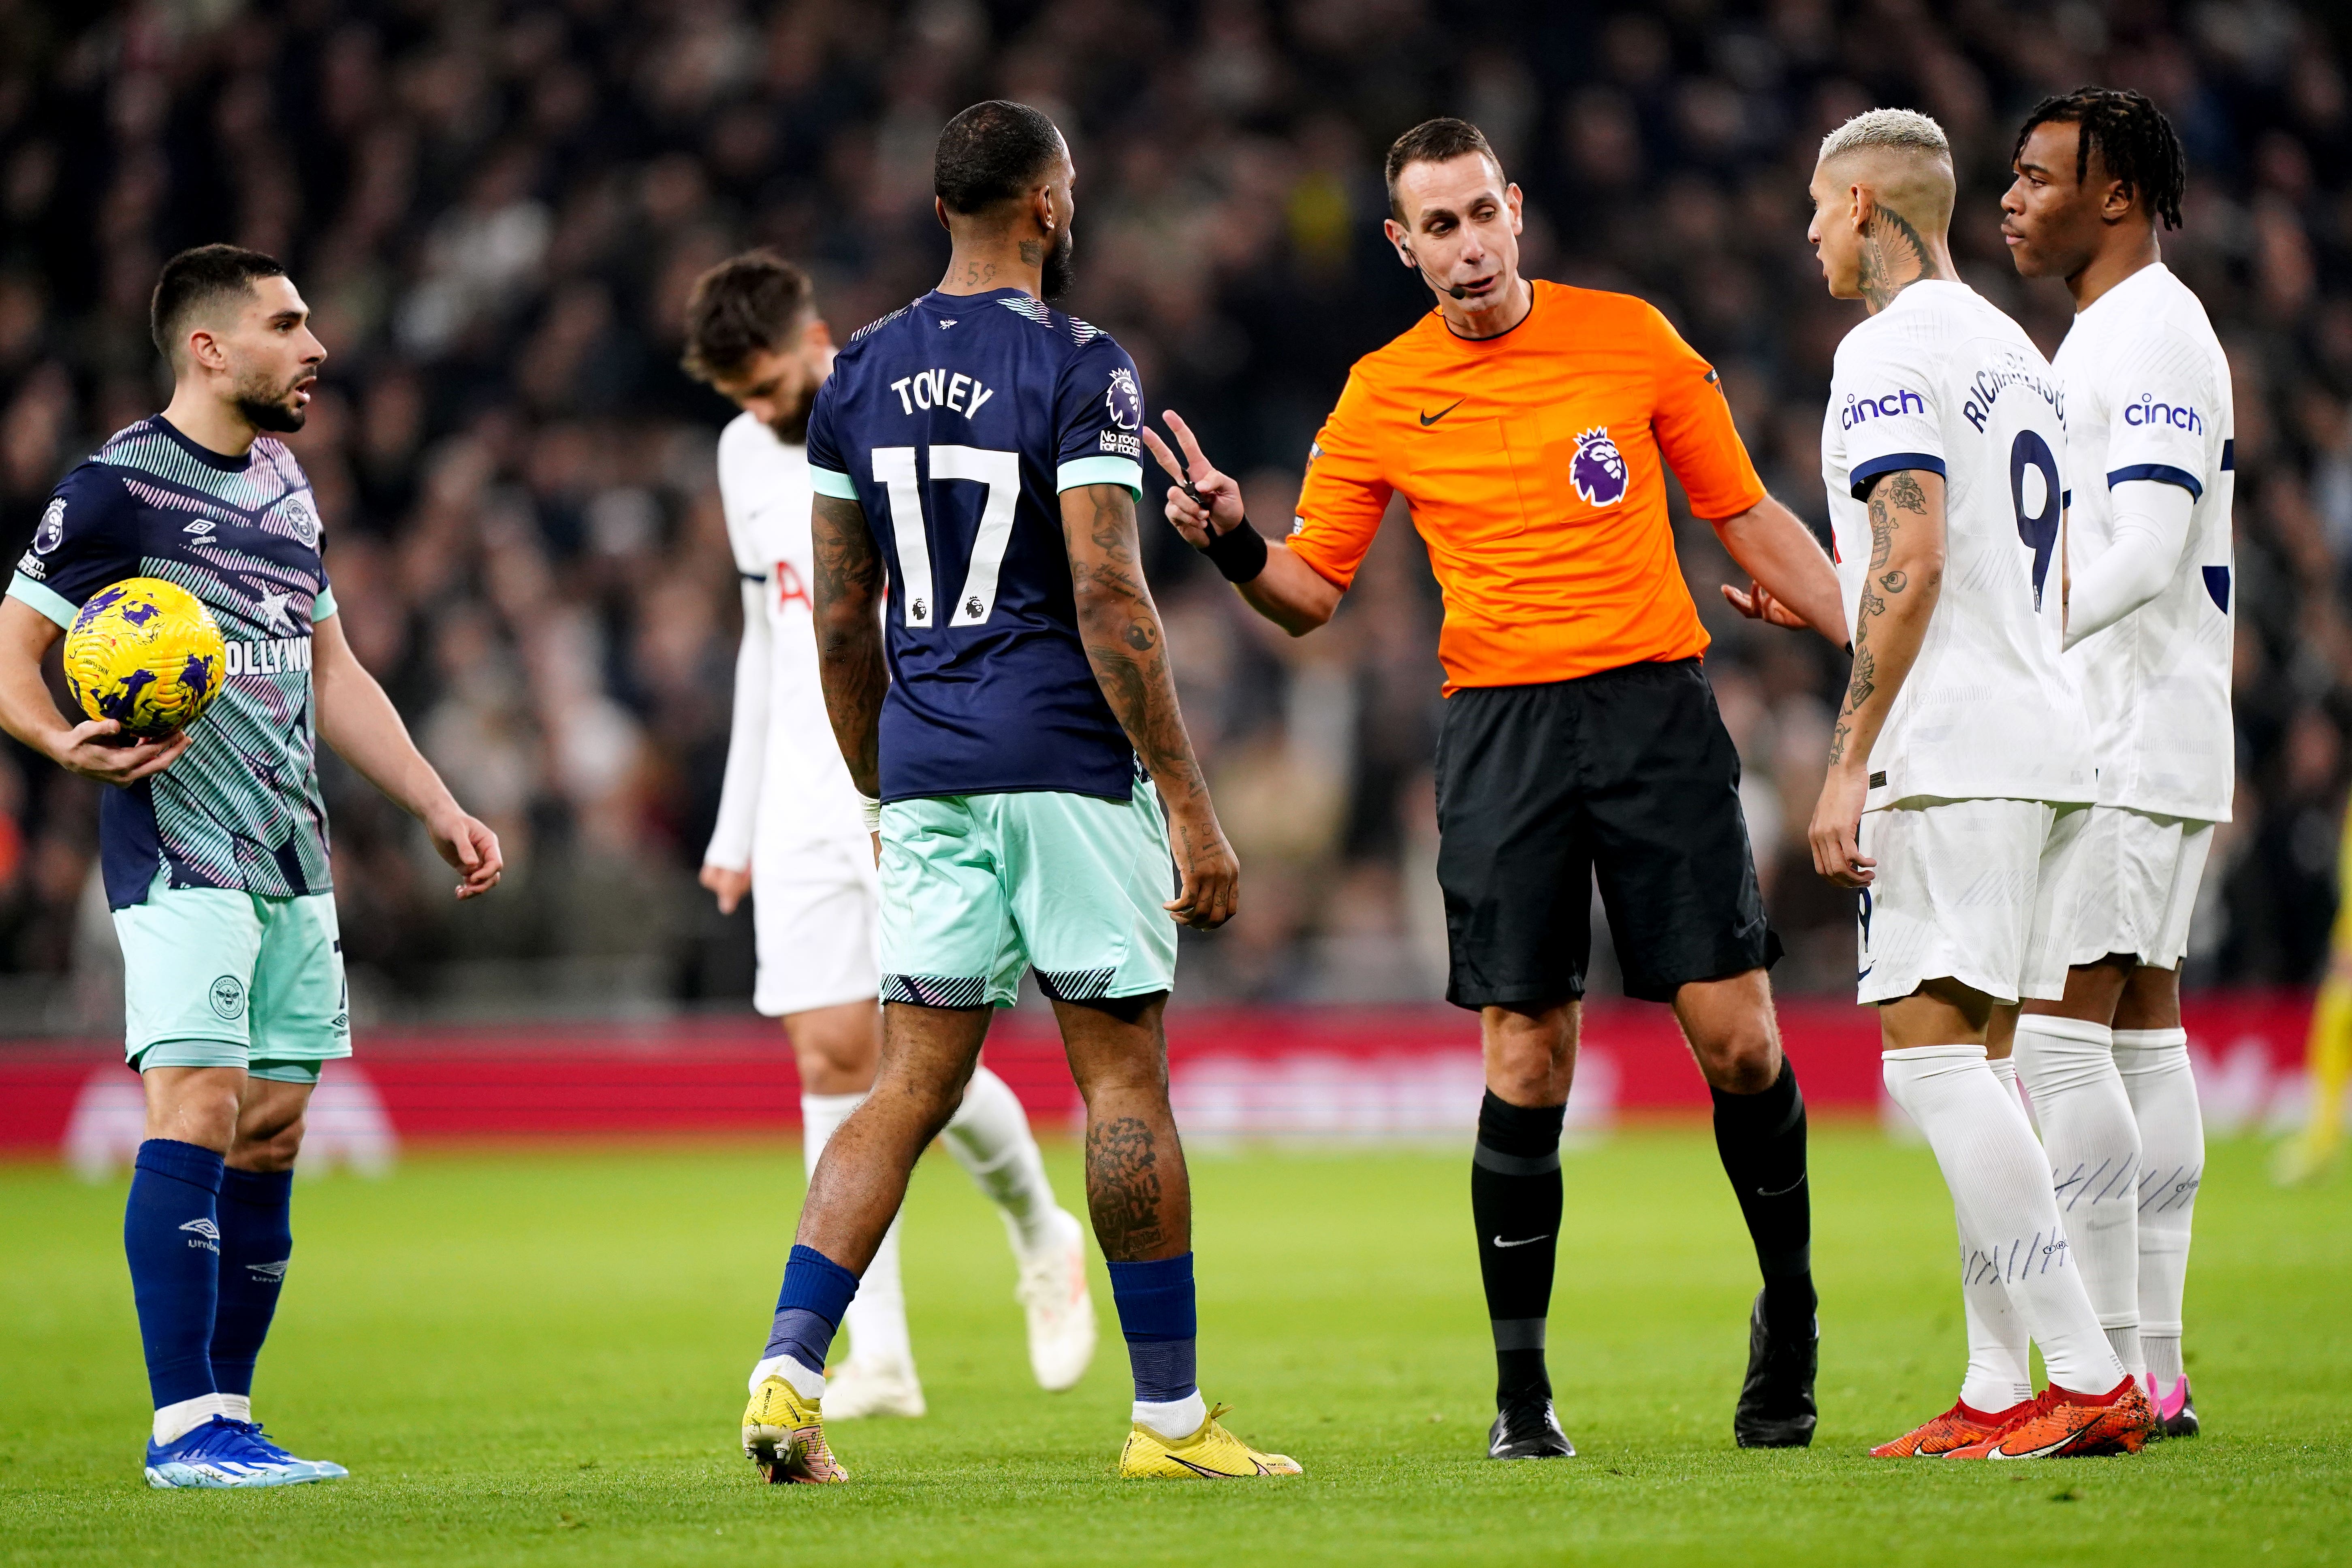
2009, 370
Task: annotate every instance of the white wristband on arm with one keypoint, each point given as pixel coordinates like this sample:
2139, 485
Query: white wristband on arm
873, 810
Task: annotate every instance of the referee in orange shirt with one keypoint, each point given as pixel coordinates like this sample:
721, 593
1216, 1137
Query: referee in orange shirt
1528, 425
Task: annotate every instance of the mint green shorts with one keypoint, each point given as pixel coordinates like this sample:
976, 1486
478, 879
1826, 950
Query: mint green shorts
213, 977
976, 886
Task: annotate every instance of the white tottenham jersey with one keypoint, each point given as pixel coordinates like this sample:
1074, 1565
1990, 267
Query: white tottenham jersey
1941, 381
2147, 397
786, 785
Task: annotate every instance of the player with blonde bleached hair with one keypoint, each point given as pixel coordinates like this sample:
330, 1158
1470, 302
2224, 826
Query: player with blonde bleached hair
1959, 777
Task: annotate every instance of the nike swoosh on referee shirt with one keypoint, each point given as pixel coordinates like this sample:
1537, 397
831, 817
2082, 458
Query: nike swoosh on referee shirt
1531, 1241
1429, 419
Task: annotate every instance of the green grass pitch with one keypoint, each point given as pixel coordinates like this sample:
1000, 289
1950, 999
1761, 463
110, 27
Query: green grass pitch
538, 1357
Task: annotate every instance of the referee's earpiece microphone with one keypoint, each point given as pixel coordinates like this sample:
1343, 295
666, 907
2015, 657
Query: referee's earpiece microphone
1454, 290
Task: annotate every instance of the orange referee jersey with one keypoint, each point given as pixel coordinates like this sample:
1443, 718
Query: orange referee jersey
1532, 463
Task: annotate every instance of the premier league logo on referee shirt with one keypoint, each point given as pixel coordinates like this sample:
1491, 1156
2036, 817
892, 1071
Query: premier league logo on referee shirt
1599, 471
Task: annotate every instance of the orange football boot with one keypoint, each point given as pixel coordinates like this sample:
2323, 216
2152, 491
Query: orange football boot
2062, 1425
1955, 1428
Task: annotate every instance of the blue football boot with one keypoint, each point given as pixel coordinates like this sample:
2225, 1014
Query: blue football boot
218, 1454
311, 1469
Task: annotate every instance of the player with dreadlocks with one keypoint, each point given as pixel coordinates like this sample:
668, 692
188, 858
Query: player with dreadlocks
2148, 634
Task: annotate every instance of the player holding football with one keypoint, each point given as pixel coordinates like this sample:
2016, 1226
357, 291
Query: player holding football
995, 668
790, 832
1959, 775
2150, 432
215, 840
1529, 425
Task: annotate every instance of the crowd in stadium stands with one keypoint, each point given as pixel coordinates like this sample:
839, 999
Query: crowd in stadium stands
495, 208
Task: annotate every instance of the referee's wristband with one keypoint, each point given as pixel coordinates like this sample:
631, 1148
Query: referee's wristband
1238, 554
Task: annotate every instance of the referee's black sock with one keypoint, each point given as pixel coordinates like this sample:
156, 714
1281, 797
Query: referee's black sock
1761, 1138
1515, 1196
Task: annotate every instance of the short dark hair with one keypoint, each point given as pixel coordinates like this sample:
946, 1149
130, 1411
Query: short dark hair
2136, 143
194, 279
992, 152
1439, 141
746, 305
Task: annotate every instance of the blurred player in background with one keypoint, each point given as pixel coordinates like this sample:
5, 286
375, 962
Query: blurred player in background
2148, 463
789, 833
1529, 425
994, 669
2328, 1054
215, 840
1959, 775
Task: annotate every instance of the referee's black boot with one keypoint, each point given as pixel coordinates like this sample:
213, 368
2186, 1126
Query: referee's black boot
1526, 1428
1776, 1404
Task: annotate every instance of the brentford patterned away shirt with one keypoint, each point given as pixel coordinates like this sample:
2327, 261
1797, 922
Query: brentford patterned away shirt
242, 808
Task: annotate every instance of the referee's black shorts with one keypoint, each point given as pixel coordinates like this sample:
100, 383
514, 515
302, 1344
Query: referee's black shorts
1629, 774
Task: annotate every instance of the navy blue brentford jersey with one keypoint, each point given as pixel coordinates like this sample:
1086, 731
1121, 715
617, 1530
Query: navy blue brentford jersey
242, 808
956, 424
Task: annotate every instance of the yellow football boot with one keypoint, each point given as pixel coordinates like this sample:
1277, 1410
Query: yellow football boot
1211, 1454
784, 1436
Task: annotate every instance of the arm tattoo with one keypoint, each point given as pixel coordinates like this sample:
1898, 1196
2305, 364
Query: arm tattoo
849, 589
1897, 492
1123, 1188
1124, 641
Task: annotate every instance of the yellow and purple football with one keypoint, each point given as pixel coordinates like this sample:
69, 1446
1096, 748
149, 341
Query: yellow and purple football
147, 654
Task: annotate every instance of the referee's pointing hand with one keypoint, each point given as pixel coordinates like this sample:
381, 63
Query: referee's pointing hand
1201, 497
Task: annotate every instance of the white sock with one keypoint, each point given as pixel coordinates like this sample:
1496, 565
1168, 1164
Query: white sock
2156, 1073
2163, 1360
877, 1320
1175, 1420
2000, 1187
989, 1136
173, 1421
2000, 1369
806, 1384
2093, 1141
237, 1407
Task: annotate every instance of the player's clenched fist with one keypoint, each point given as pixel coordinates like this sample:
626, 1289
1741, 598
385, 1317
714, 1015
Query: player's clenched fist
1836, 831
1210, 891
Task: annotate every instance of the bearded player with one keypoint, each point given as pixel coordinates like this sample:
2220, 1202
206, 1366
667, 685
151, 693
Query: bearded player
998, 682
2150, 432
213, 841
789, 833
1959, 778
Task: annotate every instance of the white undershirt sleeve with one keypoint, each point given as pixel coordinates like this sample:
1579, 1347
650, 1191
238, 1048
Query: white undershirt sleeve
746, 742
2151, 528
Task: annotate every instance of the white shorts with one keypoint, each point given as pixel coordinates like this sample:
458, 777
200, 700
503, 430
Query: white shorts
814, 918
2139, 876
1980, 891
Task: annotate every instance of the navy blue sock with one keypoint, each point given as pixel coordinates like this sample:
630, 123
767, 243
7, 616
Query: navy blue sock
255, 1242
816, 1292
1156, 1314
171, 1234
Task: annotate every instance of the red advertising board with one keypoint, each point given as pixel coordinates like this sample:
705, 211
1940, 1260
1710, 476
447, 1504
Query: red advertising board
1234, 1072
